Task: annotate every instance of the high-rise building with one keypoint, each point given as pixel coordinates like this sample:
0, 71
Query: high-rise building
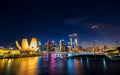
39, 46
71, 42
60, 45
76, 44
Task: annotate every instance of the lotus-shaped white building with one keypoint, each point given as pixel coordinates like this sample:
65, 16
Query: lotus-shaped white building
33, 46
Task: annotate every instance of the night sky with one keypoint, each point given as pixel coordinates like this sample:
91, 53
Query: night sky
56, 20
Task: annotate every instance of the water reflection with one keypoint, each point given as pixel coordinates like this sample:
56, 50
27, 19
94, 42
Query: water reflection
70, 67
2, 65
78, 67
104, 64
28, 66
20, 66
81, 60
8, 67
74, 67
87, 62
55, 66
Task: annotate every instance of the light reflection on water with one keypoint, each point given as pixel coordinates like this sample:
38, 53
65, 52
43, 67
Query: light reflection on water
53, 66
104, 64
87, 62
20, 66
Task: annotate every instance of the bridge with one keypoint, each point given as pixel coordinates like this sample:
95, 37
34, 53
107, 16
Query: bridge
71, 54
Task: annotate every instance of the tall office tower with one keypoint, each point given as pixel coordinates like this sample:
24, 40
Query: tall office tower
76, 44
39, 46
71, 42
62, 42
60, 45
49, 45
63, 45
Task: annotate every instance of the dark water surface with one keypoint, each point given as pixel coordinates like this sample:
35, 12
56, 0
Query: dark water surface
42, 66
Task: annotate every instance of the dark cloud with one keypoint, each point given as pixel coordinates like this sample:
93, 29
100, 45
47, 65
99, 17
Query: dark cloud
110, 30
75, 21
107, 32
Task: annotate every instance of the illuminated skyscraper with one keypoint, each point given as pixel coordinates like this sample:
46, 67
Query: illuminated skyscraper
71, 42
60, 45
76, 44
39, 46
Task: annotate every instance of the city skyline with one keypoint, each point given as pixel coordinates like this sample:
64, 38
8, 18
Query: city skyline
91, 20
69, 37
69, 42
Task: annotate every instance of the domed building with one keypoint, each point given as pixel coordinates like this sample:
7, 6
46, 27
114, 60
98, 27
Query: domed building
33, 46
